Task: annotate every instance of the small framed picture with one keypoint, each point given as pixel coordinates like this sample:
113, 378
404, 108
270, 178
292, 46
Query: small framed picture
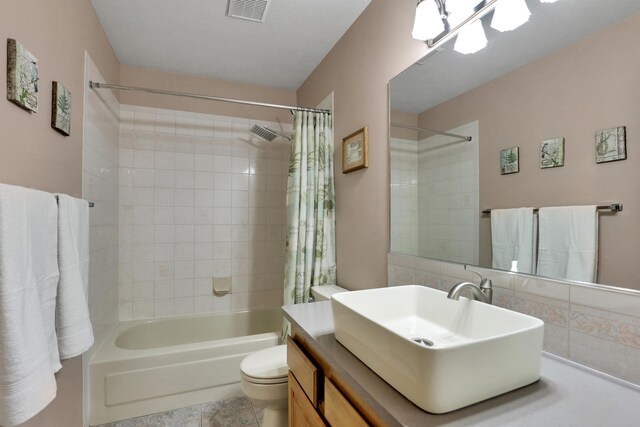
510, 160
23, 79
61, 109
611, 144
552, 153
355, 151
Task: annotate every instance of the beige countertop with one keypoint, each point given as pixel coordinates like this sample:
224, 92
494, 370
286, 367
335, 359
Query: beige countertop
567, 394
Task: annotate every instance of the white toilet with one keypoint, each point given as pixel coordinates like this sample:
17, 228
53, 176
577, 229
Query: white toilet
264, 381
264, 374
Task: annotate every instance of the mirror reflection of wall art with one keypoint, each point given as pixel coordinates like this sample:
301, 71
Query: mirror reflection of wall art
509, 160
22, 76
355, 151
61, 109
611, 144
552, 153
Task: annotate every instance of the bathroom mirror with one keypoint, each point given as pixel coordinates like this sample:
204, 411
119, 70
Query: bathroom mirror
571, 71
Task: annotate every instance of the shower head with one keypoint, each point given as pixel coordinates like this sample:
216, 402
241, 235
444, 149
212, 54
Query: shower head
267, 134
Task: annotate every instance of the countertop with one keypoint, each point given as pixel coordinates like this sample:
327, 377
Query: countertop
567, 394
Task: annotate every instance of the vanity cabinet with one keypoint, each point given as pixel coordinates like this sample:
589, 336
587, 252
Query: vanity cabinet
314, 400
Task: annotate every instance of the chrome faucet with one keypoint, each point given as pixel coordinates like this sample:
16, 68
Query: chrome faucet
483, 293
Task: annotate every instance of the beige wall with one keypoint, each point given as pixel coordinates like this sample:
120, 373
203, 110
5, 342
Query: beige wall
32, 154
57, 33
358, 69
156, 79
572, 93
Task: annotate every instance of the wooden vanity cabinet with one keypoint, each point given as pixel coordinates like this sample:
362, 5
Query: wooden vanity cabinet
314, 400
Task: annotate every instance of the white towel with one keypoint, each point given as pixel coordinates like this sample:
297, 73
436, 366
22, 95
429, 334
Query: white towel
73, 325
513, 239
28, 282
569, 243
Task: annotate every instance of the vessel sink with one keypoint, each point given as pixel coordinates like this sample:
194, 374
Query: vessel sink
439, 353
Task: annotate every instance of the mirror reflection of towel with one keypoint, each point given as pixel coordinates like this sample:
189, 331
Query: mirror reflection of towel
569, 243
513, 239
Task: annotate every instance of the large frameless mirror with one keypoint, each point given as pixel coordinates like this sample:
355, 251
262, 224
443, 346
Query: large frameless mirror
572, 70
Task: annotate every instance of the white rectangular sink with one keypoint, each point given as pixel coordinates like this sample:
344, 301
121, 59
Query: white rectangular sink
468, 351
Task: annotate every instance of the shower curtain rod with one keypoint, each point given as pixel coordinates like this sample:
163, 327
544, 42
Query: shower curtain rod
97, 85
437, 132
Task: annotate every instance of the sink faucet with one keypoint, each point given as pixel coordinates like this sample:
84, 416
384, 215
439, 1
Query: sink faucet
483, 293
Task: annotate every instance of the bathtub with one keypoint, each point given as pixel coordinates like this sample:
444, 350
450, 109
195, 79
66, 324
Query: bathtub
150, 366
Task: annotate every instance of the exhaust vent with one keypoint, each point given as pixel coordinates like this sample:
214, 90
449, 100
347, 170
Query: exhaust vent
250, 10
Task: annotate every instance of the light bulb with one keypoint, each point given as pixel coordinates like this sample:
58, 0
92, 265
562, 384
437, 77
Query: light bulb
428, 23
510, 14
471, 38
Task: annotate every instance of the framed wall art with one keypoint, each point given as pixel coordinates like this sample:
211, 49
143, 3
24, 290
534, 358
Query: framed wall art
611, 144
552, 153
61, 109
510, 160
355, 151
23, 78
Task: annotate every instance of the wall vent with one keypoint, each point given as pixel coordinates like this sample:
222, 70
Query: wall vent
251, 10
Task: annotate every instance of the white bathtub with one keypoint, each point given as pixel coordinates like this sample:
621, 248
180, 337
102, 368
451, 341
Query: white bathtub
150, 366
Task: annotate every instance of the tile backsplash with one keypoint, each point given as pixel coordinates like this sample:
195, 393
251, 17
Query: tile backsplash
200, 198
595, 326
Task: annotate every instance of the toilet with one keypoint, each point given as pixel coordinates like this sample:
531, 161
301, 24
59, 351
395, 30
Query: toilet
264, 374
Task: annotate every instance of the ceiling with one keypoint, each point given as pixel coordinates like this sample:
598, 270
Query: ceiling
197, 37
447, 74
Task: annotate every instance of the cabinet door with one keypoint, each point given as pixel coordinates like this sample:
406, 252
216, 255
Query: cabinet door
301, 411
304, 370
337, 409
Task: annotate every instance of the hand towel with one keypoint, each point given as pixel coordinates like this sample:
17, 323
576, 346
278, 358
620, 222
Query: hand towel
73, 325
28, 283
569, 243
513, 239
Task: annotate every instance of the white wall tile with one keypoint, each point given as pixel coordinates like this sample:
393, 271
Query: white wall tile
185, 196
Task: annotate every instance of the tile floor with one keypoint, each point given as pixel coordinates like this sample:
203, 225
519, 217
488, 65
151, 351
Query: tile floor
233, 412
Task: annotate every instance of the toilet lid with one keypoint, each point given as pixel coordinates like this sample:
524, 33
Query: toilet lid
267, 364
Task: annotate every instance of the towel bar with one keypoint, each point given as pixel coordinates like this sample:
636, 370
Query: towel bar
613, 207
91, 204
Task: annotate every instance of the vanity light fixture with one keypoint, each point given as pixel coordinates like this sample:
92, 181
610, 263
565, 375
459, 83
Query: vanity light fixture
428, 23
510, 14
471, 38
457, 22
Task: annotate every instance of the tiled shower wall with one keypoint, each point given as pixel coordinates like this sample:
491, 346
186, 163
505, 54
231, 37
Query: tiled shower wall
448, 196
592, 325
201, 200
100, 185
404, 195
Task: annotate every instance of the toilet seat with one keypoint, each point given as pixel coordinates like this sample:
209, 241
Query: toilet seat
267, 366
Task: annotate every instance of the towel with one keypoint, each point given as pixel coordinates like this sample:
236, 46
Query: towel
569, 243
513, 239
73, 325
28, 285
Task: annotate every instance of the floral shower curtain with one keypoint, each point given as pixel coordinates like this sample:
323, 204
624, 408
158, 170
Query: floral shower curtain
310, 251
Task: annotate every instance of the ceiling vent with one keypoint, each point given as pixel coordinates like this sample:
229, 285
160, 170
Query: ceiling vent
251, 10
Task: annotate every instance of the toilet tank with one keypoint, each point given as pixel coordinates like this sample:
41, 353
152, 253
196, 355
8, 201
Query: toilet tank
323, 293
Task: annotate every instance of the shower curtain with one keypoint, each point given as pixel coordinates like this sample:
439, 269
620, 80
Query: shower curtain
310, 250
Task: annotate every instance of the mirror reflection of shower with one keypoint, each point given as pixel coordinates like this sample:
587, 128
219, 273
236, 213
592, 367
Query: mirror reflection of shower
267, 134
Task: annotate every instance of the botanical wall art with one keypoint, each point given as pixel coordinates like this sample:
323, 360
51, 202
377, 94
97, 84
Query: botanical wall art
355, 151
22, 76
552, 153
611, 144
61, 109
509, 160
